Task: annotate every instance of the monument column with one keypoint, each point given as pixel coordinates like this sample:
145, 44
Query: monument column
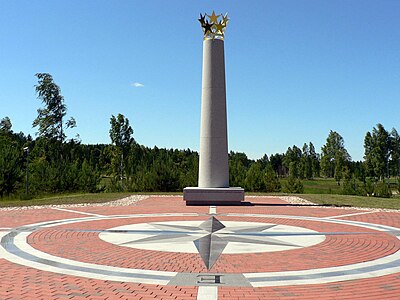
213, 165
213, 186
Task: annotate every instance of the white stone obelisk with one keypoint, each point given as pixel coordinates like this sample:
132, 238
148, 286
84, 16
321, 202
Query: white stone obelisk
213, 186
213, 165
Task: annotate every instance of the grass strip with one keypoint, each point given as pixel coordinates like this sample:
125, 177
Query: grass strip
353, 201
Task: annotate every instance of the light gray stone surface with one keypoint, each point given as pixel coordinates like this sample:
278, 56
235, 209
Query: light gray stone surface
213, 165
213, 186
202, 279
211, 195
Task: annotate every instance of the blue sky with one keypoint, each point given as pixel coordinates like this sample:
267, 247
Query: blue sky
295, 69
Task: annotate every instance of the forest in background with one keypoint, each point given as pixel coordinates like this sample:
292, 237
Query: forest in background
51, 163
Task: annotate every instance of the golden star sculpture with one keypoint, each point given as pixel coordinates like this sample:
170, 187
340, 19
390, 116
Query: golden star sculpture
219, 27
225, 19
213, 17
213, 25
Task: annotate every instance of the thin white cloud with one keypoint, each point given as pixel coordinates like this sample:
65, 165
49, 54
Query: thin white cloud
137, 84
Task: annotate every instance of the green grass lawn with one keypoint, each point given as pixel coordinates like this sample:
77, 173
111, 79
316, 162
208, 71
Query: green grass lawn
59, 199
318, 186
356, 201
64, 199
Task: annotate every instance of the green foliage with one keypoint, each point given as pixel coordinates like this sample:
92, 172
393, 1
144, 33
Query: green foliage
276, 161
10, 166
293, 169
188, 165
57, 166
382, 157
306, 170
356, 201
61, 167
120, 131
58, 199
272, 183
369, 187
301, 163
238, 166
315, 164
334, 156
254, 181
398, 185
25, 196
395, 152
382, 190
89, 178
358, 169
5, 125
378, 147
291, 160
156, 170
350, 185
293, 185
121, 136
319, 186
50, 117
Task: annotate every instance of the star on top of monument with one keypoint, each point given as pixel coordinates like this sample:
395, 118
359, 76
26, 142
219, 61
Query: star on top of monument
213, 17
213, 25
225, 19
219, 27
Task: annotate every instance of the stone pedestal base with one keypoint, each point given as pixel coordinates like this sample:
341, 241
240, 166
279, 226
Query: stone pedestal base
209, 196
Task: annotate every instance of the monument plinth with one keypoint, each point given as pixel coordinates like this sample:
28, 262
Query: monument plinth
213, 184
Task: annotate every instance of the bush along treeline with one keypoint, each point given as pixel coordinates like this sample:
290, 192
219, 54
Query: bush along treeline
50, 163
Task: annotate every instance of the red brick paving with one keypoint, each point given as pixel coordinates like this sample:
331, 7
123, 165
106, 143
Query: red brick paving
334, 251
383, 218
15, 218
380, 288
164, 205
262, 205
20, 282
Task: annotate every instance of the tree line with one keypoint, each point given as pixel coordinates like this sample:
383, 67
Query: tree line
49, 163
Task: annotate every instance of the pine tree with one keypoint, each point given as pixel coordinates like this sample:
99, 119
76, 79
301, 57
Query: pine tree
395, 152
254, 178
377, 146
334, 156
272, 183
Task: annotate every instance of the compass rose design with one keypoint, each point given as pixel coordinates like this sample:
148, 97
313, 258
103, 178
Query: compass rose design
207, 238
211, 238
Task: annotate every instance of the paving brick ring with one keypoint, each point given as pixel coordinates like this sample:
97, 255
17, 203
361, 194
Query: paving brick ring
215, 239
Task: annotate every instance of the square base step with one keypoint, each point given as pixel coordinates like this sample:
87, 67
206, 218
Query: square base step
209, 196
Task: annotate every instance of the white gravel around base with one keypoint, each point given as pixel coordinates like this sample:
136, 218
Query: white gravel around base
301, 201
130, 200
290, 199
296, 200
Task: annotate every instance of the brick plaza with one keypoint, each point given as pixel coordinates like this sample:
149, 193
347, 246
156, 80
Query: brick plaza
58, 253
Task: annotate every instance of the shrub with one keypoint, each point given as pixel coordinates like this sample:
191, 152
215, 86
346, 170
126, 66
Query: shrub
382, 190
26, 196
398, 185
369, 187
349, 186
254, 181
293, 185
89, 178
272, 183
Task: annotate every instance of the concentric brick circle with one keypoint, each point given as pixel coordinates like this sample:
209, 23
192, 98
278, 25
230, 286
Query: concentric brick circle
355, 251
337, 250
75, 244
